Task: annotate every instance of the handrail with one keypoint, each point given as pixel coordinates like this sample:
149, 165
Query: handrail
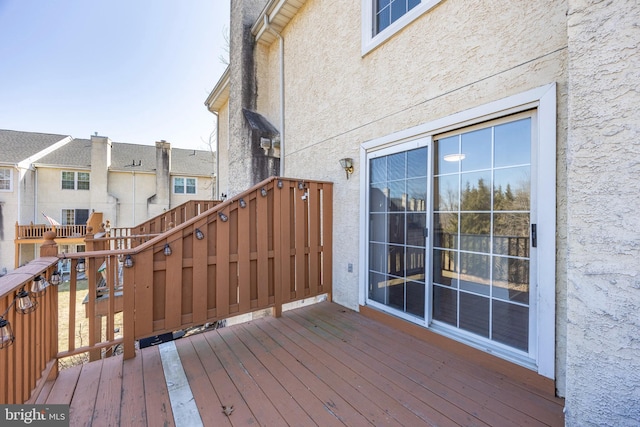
30, 360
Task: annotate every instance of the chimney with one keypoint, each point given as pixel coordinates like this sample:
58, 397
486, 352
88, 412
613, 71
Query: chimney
163, 169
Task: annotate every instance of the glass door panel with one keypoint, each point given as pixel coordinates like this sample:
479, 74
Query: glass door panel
397, 238
481, 216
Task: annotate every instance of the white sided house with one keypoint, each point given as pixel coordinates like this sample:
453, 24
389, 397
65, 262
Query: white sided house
127, 183
493, 194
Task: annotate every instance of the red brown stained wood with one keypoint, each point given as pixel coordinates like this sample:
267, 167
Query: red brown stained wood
321, 364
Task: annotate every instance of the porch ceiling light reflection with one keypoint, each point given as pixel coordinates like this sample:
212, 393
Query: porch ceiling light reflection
454, 157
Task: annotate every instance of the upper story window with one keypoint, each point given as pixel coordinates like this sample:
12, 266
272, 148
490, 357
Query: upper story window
182, 185
381, 19
75, 180
5, 179
389, 11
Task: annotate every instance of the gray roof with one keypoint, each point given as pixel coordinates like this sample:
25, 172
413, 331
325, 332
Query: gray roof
131, 157
16, 146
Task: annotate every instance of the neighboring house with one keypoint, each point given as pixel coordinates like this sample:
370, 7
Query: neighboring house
69, 179
494, 195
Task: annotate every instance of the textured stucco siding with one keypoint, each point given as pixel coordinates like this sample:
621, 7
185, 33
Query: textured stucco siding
132, 191
603, 313
9, 206
223, 150
457, 56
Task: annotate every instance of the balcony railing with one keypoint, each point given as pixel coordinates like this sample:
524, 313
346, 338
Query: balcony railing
130, 237
266, 247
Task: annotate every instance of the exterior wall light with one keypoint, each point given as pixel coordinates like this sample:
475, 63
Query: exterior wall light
347, 165
264, 192
199, 234
167, 249
280, 183
223, 217
242, 203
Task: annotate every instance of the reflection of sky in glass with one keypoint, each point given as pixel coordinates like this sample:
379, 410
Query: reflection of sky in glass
396, 166
417, 162
378, 169
518, 178
476, 147
513, 143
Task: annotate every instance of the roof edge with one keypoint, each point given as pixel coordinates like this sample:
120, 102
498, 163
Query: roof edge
220, 93
26, 163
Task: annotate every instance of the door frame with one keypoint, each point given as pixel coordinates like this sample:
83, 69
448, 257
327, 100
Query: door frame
543, 100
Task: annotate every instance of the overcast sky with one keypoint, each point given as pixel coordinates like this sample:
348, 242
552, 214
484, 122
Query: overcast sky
137, 71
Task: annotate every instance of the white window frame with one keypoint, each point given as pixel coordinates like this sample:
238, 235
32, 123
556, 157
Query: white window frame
543, 100
371, 41
10, 189
74, 211
195, 185
75, 180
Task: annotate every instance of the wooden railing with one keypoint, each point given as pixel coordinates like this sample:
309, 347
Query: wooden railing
36, 231
130, 237
266, 247
261, 249
30, 360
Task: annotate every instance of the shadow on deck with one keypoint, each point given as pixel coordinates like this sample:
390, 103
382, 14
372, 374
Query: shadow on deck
318, 365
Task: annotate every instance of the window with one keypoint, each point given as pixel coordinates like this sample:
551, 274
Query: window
481, 186
75, 216
183, 185
75, 180
383, 18
5, 179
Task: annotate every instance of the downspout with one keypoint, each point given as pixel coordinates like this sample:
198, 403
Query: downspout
281, 46
133, 182
217, 191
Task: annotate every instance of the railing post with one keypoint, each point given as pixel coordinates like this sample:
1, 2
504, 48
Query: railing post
49, 247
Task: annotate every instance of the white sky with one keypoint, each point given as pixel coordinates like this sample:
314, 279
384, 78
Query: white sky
137, 71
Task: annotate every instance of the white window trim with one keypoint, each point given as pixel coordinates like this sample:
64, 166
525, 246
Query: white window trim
173, 185
369, 41
75, 180
10, 190
543, 99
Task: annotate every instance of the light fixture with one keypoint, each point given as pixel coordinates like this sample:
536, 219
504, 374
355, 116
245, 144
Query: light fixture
264, 192
453, 157
55, 278
167, 249
24, 303
38, 286
300, 185
280, 183
199, 234
223, 217
6, 333
242, 203
80, 266
128, 262
347, 165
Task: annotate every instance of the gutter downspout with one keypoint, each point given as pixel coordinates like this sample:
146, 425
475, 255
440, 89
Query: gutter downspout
281, 46
217, 193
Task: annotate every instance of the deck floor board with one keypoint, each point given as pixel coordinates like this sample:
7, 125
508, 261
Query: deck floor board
318, 365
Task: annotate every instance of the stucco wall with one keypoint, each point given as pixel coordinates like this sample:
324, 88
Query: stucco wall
132, 191
52, 198
603, 354
456, 56
9, 211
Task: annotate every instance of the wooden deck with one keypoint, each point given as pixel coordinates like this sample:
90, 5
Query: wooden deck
318, 365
